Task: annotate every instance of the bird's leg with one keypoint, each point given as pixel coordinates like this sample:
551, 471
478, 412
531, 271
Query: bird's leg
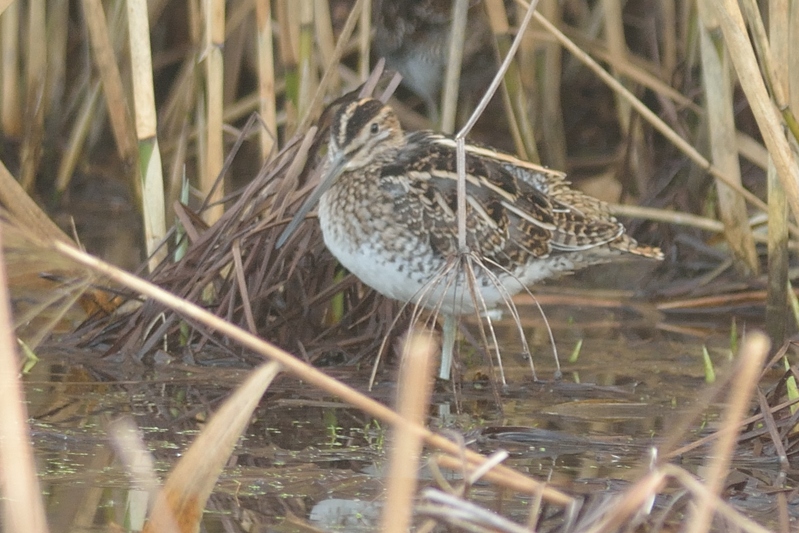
449, 330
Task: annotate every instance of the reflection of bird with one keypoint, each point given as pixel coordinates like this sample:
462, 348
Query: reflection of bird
387, 209
413, 36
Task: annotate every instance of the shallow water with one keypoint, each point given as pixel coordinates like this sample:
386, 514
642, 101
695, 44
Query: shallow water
309, 455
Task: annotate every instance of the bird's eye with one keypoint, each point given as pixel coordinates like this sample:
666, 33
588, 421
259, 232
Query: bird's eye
375, 128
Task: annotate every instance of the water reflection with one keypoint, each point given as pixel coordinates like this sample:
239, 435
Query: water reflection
309, 456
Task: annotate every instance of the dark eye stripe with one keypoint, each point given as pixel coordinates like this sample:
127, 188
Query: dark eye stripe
354, 117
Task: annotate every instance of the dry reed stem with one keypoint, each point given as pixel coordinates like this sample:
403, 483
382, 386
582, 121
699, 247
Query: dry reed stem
721, 133
412, 401
115, 98
753, 85
332, 66
513, 94
213, 41
4, 4
773, 431
59, 302
553, 135
617, 50
464, 515
23, 511
460, 138
24, 211
304, 371
178, 181
266, 77
452, 75
687, 219
750, 362
11, 109
457, 463
35, 76
667, 215
289, 41
633, 68
668, 33
751, 149
635, 499
700, 490
77, 137
182, 96
73, 506
242, 284
138, 462
150, 172
792, 65
776, 300
647, 114
774, 75
716, 300
326, 40
307, 69
365, 41
682, 450
190, 483
236, 41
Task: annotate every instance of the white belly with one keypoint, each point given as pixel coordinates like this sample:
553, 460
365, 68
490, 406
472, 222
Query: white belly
402, 265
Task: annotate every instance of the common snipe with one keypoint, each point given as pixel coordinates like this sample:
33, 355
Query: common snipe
388, 204
413, 37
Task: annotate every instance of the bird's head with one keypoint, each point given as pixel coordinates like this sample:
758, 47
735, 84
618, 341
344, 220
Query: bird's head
363, 132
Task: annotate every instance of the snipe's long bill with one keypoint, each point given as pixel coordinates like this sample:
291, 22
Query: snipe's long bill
388, 213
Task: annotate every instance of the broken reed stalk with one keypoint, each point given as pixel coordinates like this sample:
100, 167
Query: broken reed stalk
23, 510
749, 365
214, 40
721, 133
412, 401
266, 78
509, 478
149, 169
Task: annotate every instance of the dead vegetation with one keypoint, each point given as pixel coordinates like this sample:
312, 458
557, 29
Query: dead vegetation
687, 124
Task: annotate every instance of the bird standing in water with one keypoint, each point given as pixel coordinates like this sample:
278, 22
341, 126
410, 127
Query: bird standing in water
388, 213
